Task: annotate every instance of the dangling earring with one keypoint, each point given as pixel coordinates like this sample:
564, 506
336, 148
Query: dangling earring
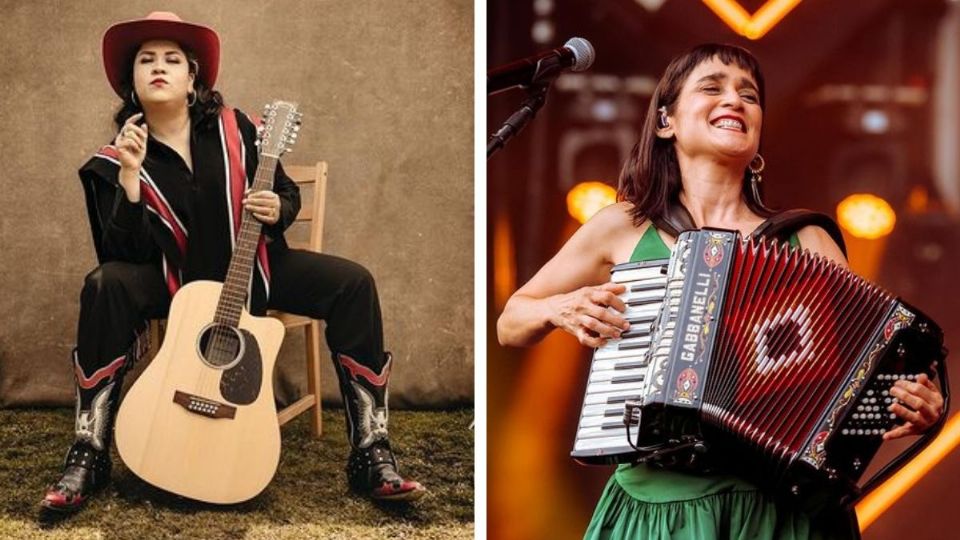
191, 103
662, 121
756, 167
133, 98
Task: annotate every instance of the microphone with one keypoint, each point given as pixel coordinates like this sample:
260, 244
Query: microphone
576, 55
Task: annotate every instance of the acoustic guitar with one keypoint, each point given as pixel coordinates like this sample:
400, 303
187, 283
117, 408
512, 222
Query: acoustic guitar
201, 420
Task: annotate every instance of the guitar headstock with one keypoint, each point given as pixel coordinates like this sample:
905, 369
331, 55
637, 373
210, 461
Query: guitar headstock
281, 125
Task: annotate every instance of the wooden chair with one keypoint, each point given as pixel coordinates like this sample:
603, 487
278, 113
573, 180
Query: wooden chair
311, 215
313, 189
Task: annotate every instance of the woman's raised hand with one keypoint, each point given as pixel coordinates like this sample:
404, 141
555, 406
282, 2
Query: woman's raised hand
584, 313
131, 142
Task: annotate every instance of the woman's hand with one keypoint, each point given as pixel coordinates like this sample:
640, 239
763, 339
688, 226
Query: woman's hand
131, 142
584, 313
924, 405
264, 205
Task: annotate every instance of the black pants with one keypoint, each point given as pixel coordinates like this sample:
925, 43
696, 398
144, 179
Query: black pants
118, 298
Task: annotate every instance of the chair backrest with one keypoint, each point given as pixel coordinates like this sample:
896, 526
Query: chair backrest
312, 180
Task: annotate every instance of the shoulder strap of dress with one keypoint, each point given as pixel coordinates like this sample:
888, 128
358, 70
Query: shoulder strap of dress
783, 224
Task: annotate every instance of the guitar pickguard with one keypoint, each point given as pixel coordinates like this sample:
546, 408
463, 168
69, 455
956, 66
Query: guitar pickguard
241, 383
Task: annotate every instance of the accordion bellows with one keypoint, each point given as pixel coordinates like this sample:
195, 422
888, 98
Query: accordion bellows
776, 357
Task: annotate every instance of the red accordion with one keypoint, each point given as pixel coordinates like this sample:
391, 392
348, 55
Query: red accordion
777, 356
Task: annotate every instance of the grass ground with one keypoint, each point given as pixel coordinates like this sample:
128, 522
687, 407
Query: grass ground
308, 498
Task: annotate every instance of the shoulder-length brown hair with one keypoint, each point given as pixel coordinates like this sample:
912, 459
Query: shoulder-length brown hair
650, 178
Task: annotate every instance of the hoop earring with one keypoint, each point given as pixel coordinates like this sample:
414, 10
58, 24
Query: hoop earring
662, 121
133, 98
194, 101
755, 178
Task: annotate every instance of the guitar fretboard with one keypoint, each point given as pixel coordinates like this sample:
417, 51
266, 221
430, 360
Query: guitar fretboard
237, 284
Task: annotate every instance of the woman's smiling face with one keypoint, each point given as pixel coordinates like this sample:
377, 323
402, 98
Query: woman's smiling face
717, 113
161, 73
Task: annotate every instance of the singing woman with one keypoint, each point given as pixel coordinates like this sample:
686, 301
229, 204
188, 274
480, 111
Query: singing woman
697, 156
161, 215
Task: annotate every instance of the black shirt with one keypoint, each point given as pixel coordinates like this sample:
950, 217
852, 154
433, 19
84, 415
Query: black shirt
134, 232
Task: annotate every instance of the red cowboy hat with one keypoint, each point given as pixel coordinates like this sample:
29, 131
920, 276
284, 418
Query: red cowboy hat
122, 40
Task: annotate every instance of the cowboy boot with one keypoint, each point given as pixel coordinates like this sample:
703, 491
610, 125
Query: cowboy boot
372, 468
86, 469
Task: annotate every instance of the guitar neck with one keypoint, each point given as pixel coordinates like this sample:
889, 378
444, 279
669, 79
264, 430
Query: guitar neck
236, 286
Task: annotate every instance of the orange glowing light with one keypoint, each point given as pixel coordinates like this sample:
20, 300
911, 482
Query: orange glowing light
588, 198
751, 26
874, 504
866, 216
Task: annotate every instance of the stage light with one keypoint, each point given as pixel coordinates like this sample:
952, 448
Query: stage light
651, 5
542, 31
757, 25
866, 216
543, 7
875, 122
603, 110
588, 198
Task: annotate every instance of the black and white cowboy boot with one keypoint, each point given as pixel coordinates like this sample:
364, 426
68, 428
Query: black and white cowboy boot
86, 469
372, 468
85, 472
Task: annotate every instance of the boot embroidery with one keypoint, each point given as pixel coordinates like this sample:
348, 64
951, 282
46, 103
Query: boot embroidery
105, 372
92, 424
373, 420
355, 369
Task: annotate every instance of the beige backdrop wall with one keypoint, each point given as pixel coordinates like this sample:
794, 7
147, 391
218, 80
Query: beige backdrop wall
386, 89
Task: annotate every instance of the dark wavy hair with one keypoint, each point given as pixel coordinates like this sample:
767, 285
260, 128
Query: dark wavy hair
650, 178
204, 112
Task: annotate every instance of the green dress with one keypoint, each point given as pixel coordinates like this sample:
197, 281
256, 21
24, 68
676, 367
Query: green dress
648, 502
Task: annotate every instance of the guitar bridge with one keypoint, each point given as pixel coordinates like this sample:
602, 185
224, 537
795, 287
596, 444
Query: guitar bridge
203, 406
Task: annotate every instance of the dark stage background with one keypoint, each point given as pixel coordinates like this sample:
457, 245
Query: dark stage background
861, 97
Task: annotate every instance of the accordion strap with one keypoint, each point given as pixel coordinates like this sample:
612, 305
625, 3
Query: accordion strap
781, 225
675, 219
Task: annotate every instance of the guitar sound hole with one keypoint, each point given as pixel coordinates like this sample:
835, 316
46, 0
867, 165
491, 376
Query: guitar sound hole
221, 346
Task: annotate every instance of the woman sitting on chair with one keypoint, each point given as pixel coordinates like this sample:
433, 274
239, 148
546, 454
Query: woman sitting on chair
161, 185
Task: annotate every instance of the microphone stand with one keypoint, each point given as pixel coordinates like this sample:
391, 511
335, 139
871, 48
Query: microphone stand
547, 70
536, 97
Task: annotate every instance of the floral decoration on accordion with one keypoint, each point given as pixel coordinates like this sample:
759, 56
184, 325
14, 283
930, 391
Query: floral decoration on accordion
713, 252
900, 319
687, 384
815, 453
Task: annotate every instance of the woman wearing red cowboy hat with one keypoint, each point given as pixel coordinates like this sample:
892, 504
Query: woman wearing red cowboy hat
162, 185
